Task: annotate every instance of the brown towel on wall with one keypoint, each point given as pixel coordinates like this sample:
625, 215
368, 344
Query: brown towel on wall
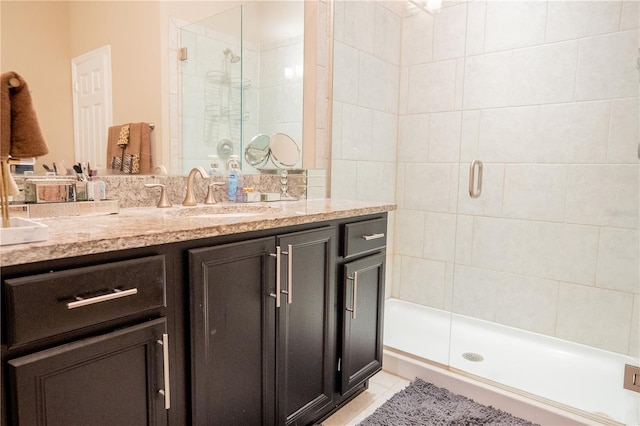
137, 152
21, 135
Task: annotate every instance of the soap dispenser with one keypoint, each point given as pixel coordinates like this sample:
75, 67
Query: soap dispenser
214, 170
236, 181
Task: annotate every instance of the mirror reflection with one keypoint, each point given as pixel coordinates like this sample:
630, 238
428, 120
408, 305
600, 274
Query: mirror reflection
284, 151
39, 39
257, 152
251, 69
267, 154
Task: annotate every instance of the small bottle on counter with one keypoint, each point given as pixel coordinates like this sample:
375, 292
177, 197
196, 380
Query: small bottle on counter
214, 170
236, 181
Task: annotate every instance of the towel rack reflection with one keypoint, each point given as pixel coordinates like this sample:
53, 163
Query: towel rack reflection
14, 82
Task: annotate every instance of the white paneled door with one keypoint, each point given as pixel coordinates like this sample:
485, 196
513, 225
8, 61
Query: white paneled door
92, 106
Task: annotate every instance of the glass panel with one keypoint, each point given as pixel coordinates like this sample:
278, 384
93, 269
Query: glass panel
546, 278
212, 84
243, 77
273, 49
533, 283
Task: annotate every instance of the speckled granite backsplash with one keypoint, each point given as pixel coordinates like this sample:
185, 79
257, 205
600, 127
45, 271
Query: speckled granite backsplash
130, 191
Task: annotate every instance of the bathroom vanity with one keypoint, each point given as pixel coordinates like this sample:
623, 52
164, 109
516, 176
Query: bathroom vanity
228, 314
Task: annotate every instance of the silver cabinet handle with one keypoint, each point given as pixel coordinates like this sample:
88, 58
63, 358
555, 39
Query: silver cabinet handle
117, 293
474, 191
276, 295
373, 236
355, 295
165, 365
289, 290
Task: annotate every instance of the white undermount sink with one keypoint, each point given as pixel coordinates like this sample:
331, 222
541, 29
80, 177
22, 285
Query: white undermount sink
222, 210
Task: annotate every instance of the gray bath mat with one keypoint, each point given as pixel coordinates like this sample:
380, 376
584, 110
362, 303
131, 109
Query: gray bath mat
422, 403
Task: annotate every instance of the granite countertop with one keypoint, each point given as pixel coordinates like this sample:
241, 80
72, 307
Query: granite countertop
140, 227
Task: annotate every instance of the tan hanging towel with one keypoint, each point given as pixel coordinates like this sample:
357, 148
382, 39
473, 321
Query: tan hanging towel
123, 137
132, 155
21, 134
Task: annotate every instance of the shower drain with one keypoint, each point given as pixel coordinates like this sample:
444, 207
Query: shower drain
470, 356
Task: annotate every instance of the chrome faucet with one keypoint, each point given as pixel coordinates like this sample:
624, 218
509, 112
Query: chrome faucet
190, 199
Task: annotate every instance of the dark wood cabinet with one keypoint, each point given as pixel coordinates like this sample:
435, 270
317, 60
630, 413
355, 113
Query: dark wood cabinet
112, 379
233, 333
362, 316
263, 329
306, 326
86, 341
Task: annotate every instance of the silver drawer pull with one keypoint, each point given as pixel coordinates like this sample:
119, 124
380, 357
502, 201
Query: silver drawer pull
117, 293
373, 236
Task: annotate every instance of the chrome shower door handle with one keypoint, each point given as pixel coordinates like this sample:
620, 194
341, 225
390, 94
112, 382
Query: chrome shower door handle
475, 191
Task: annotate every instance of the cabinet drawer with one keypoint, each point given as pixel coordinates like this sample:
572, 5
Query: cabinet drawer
44, 305
365, 236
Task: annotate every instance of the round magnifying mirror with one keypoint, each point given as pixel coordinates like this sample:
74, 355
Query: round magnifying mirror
284, 150
257, 152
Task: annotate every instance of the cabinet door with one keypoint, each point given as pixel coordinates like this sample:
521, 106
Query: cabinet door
362, 314
306, 329
113, 379
233, 333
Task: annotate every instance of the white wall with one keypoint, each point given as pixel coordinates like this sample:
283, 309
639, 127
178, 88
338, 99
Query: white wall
546, 95
366, 71
280, 103
366, 58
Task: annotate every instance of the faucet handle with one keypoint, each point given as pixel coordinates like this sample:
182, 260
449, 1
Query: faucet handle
210, 198
163, 201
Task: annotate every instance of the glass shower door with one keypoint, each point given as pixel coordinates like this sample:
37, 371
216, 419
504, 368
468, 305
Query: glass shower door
546, 287
212, 89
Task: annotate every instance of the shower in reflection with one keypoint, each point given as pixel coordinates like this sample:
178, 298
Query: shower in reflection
228, 59
230, 56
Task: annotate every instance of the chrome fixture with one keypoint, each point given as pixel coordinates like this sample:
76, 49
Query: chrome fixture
190, 199
289, 291
162, 170
355, 295
632, 378
230, 56
474, 191
116, 293
165, 364
210, 199
473, 357
182, 54
163, 201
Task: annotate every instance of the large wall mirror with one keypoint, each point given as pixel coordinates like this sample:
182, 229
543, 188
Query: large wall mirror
39, 39
242, 78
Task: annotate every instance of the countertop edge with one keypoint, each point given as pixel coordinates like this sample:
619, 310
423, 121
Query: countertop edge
50, 250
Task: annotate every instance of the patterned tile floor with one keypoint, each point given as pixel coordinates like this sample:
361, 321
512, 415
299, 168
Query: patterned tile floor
382, 386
